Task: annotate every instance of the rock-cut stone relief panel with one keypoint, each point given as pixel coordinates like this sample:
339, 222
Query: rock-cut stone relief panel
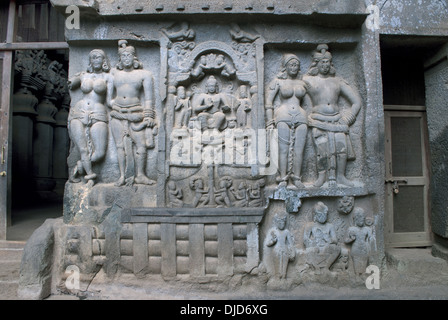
298, 105
210, 110
88, 118
284, 112
133, 114
118, 101
330, 126
324, 245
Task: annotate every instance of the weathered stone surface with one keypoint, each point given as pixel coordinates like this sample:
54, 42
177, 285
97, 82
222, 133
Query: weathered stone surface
37, 260
199, 134
436, 95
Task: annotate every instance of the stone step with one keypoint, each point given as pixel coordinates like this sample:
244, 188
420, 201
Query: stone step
418, 263
5, 244
10, 258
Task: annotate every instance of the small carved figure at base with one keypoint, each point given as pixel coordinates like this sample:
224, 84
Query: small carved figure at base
360, 237
345, 205
222, 193
320, 240
281, 244
175, 195
201, 194
342, 262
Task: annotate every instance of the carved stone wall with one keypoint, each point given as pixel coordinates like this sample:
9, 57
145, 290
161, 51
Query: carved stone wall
213, 149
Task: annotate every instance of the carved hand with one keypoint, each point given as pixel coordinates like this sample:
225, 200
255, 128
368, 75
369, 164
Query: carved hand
209, 103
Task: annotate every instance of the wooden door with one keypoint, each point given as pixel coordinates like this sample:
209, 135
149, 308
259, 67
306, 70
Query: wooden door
407, 178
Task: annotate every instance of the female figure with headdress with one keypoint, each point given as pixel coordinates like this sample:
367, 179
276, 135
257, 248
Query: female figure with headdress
131, 116
88, 119
330, 128
284, 111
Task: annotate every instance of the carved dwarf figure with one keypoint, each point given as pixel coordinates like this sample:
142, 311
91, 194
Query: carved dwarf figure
241, 195
175, 195
320, 239
360, 238
284, 111
255, 193
87, 120
345, 204
341, 263
222, 197
201, 194
281, 242
330, 128
130, 117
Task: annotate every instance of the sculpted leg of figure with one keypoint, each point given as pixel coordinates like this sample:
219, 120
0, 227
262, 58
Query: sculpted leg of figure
298, 155
321, 146
332, 159
139, 139
219, 121
342, 163
283, 149
98, 133
333, 252
79, 137
341, 149
118, 135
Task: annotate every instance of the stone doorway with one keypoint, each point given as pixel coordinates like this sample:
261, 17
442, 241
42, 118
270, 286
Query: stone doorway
410, 159
40, 142
34, 141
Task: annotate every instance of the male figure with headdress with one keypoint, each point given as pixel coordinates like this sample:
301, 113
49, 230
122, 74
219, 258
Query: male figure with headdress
133, 113
330, 127
211, 106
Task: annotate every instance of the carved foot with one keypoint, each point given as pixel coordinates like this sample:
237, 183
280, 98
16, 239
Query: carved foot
297, 181
344, 181
129, 182
90, 176
77, 170
320, 179
120, 182
90, 183
144, 180
282, 182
